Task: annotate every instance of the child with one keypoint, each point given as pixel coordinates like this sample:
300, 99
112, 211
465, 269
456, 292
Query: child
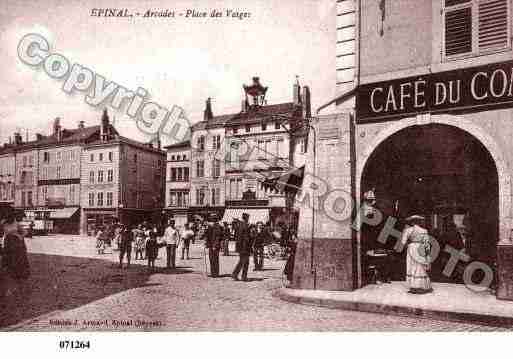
151, 250
100, 243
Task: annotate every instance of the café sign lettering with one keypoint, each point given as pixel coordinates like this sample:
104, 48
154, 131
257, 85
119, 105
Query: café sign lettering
482, 86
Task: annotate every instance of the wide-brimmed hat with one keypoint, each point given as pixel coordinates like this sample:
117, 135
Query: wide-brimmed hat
415, 217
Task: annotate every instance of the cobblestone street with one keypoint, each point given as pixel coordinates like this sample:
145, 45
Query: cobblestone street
73, 288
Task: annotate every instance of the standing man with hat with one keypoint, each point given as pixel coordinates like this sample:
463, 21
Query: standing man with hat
125, 245
214, 237
245, 243
171, 239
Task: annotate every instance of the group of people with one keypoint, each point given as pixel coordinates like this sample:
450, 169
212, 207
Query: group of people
147, 240
250, 239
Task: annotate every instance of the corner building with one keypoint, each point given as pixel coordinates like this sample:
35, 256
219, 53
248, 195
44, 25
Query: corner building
429, 134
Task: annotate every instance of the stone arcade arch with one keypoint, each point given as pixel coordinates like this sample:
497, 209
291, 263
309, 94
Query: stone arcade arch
504, 176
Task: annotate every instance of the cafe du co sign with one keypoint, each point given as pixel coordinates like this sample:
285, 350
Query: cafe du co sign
474, 87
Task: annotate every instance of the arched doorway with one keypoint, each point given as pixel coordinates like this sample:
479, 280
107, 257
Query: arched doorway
445, 174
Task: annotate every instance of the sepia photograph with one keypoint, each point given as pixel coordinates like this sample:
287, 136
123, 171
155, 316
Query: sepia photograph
264, 166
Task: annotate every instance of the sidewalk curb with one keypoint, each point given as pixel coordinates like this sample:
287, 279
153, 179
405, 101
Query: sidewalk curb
287, 295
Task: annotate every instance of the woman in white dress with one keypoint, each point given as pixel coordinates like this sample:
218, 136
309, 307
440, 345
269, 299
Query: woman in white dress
418, 259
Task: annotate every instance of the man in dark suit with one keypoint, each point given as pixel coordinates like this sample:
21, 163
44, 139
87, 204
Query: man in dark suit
214, 237
245, 242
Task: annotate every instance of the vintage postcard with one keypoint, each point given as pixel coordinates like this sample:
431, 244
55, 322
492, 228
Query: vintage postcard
256, 166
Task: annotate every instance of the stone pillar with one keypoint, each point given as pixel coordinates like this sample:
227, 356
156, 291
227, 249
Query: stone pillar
325, 256
505, 271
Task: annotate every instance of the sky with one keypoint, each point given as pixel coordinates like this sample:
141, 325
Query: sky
178, 61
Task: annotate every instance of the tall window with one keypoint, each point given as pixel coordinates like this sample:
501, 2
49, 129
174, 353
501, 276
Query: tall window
110, 175
101, 157
29, 198
179, 174
59, 156
248, 128
173, 174
100, 176
216, 142
111, 156
91, 157
109, 199
46, 157
172, 199
91, 199
264, 126
216, 196
186, 174
100, 199
58, 171
23, 199
200, 196
201, 143
475, 27
72, 194
216, 168
91, 177
200, 168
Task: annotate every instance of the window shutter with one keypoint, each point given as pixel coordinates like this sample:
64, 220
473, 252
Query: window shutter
493, 24
458, 31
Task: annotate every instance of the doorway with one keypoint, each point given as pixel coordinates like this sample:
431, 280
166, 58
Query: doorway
444, 174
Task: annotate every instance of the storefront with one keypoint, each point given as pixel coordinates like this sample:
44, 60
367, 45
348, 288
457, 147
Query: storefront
438, 145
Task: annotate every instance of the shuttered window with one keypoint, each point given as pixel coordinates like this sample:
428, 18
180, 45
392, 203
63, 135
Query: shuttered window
458, 31
475, 27
493, 24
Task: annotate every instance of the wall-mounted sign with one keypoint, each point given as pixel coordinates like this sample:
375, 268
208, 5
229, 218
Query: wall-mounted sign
489, 85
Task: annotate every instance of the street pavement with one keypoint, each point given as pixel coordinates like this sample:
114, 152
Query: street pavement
72, 288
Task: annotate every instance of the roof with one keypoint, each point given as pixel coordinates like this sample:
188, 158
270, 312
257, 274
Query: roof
179, 145
125, 140
216, 122
257, 114
70, 136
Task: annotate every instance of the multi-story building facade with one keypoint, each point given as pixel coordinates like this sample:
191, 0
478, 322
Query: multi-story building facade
178, 185
73, 177
26, 176
207, 164
259, 140
121, 179
429, 135
233, 155
7, 175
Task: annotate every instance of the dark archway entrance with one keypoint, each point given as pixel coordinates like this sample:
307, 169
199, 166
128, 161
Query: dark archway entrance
444, 174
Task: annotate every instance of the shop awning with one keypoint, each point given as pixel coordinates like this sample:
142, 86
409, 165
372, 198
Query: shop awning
63, 213
289, 182
255, 214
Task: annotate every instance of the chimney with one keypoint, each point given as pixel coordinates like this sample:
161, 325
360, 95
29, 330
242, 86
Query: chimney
104, 126
81, 124
207, 114
305, 102
56, 126
244, 105
296, 92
